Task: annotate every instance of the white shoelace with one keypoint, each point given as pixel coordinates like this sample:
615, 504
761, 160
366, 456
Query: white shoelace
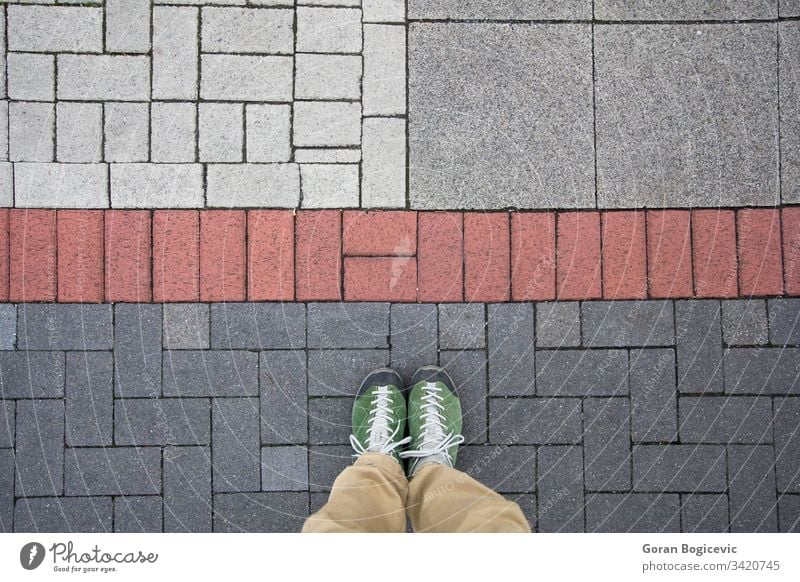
381, 439
434, 440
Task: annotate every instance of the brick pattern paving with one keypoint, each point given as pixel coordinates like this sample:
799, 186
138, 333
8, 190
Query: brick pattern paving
93, 256
655, 415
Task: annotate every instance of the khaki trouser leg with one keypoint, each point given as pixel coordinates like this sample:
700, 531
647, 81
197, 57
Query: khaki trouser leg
367, 497
441, 499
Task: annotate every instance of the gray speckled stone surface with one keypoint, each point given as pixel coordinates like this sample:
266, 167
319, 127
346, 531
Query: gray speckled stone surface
500, 9
789, 66
685, 9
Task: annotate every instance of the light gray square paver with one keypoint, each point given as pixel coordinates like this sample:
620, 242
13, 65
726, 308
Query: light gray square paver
744, 322
685, 9
186, 326
329, 185
61, 185
270, 185
55, 29
79, 132
529, 112
686, 115
127, 26
242, 30
320, 123
328, 76
6, 182
173, 128
789, 7
328, 30
789, 66
31, 77
103, 77
284, 469
384, 10
384, 69
268, 132
31, 131
175, 52
246, 78
221, 132
156, 185
500, 9
384, 166
3, 130
127, 132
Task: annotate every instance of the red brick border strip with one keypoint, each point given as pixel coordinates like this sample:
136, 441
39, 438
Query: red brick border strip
93, 256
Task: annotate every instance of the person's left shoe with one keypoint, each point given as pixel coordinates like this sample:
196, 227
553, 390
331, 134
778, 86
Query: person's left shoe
379, 415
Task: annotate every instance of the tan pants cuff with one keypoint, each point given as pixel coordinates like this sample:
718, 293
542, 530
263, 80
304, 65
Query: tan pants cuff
386, 463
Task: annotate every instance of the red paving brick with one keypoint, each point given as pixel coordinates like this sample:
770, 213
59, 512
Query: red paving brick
391, 233
759, 242
128, 252
32, 252
175, 255
714, 253
669, 253
578, 255
80, 256
222, 255
270, 255
380, 279
487, 262
790, 220
4, 261
533, 256
318, 255
440, 262
624, 255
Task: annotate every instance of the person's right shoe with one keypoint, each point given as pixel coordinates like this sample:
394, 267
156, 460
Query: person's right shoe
434, 419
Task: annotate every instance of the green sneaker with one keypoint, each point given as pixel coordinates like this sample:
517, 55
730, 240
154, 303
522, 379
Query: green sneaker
434, 419
379, 414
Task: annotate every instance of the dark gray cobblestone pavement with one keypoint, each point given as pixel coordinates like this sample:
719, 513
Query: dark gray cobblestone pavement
594, 416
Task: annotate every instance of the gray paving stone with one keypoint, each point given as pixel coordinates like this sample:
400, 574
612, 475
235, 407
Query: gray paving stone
127, 132
528, 504
43, 185
329, 420
230, 185
239, 30
156, 185
704, 513
8, 326
137, 350
79, 132
6, 490
384, 83
257, 326
3, 54
499, 10
788, 8
468, 370
328, 30
784, 321
173, 128
627, 323
138, 514
685, 10
235, 461
789, 39
31, 131
414, 337
560, 489
510, 156
327, 77
348, 325
221, 132
383, 169
246, 78
645, 158
186, 326
787, 443
283, 397
633, 512
325, 463
789, 512
532, 421
40, 447
210, 373
723, 419
63, 515
340, 372
55, 29
461, 326
502, 469
751, 478
607, 442
89, 399
127, 26
689, 468
326, 124
762, 371
284, 469
187, 489
28, 374
511, 349
279, 512
384, 10
653, 395
175, 40
163, 421
7, 416
698, 339
582, 373
113, 77
268, 132
744, 322
31, 77
558, 324
112, 471
330, 186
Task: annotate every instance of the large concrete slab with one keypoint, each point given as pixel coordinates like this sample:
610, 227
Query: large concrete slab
499, 9
687, 115
789, 66
500, 115
685, 9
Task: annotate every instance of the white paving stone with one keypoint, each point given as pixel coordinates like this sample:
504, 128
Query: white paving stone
55, 29
173, 129
329, 3
61, 185
156, 185
329, 185
126, 132
175, 53
327, 156
3, 130
31, 130
320, 123
31, 77
127, 26
79, 132
384, 69
6, 184
384, 10
246, 78
328, 30
247, 30
221, 132
103, 78
253, 185
384, 166
2, 53
327, 77
268, 133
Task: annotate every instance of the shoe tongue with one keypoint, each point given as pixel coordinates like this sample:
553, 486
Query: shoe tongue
434, 432
381, 431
